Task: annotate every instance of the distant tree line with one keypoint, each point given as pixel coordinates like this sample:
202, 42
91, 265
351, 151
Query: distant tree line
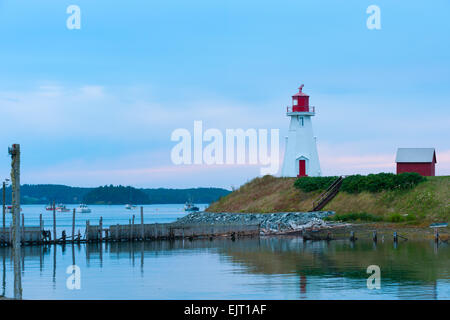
47, 193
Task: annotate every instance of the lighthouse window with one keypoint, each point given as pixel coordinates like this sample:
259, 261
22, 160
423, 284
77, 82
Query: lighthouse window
295, 102
300, 121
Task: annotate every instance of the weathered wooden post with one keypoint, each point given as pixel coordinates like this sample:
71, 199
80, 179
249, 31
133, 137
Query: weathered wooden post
374, 236
73, 225
41, 227
129, 229
352, 236
395, 237
436, 235
3, 203
63, 236
132, 229
54, 222
87, 231
142, 224
14, 151
100, 224
23, 229
10, 242
79, 236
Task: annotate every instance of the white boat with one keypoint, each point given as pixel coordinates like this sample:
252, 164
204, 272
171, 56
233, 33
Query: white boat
82, 208
190, 207
62, 208
130, 206
9, 209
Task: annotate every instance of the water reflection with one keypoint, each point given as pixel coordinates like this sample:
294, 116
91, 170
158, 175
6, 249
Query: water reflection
258, 268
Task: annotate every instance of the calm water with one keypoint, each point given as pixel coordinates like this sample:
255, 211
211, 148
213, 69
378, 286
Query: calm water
264, 268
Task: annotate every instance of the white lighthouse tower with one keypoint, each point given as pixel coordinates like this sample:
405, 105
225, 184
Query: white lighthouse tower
300, 158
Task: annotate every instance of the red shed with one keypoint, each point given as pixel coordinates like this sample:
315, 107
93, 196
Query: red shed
420, 160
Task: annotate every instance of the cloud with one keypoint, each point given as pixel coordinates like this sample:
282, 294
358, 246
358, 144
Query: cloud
94, 134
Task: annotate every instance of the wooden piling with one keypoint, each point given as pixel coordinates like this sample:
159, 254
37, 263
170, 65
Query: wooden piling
129, 229
14, 151
73, 224
54, 222
87, 231
142, 224
395, 237
132, 229
352, 236
79, 236
374, 236
11, 233
41, 226
23, 229
3, 204
436, 235
101, 229
63, 236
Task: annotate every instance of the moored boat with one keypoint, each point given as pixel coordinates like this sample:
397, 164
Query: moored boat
9, 209
439, 225
83, 208
190, 207
62, 208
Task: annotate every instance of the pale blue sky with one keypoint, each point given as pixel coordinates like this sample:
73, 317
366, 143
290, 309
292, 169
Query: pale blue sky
97, 105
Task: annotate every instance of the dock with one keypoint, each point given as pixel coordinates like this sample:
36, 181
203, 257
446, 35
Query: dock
38, 235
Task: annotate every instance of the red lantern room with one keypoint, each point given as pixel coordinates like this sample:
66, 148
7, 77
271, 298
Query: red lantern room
300, 101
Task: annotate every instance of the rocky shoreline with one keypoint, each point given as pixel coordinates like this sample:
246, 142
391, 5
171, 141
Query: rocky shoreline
269, 222
286, 223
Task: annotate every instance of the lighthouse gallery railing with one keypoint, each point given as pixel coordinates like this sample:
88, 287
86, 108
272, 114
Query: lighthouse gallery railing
301, 109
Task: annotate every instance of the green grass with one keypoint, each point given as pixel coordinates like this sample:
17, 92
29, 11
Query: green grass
354, 216
367, 217
358, 183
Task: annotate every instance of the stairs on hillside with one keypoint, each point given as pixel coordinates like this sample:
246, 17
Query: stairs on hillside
328, 195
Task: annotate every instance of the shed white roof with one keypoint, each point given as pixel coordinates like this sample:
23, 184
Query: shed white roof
415, 155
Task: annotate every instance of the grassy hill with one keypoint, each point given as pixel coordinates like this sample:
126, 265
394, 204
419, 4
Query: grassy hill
429, 200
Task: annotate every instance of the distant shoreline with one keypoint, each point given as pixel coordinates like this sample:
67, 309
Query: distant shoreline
110, 195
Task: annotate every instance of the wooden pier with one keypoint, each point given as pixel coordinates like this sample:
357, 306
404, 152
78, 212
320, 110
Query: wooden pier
37, 235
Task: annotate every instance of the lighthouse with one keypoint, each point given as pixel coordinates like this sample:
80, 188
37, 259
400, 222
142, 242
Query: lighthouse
300, 157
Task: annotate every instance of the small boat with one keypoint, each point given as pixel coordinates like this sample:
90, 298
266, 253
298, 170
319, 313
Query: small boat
130, 206
190, 207
82, 208
49, 207
439, 225
9, 209
62, 208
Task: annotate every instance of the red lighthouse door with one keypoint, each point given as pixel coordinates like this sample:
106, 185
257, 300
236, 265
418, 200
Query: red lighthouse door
302, 168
